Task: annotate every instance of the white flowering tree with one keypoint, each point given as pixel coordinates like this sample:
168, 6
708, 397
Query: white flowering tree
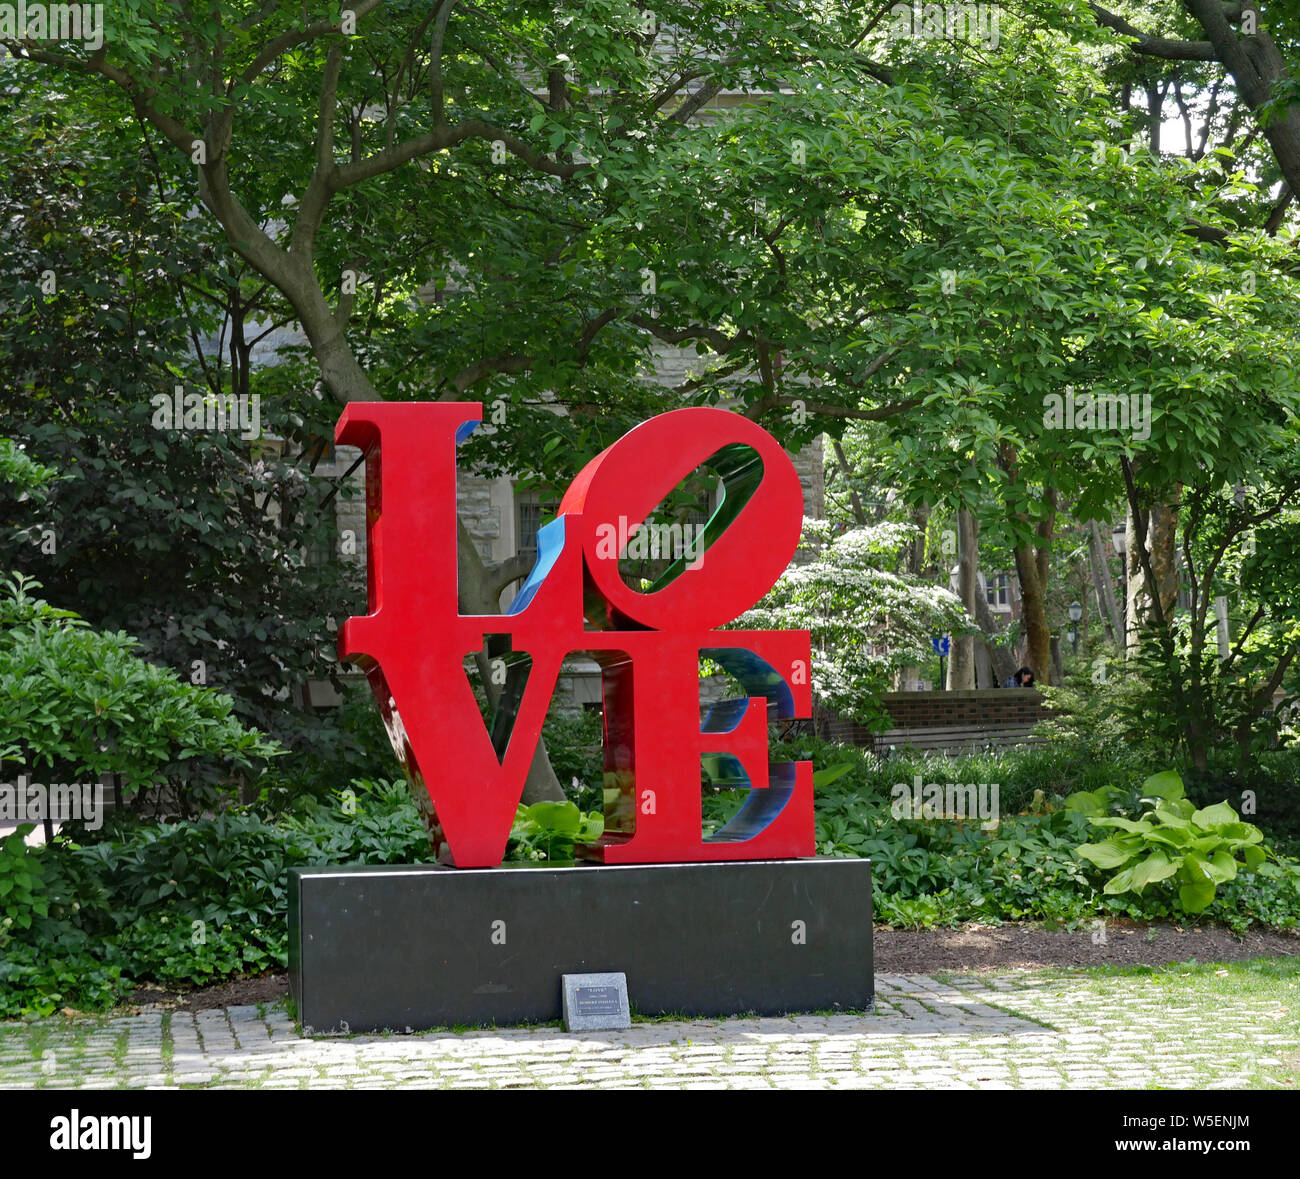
866, 620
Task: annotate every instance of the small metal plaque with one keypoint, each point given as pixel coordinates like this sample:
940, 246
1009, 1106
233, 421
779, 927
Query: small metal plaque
595, 1002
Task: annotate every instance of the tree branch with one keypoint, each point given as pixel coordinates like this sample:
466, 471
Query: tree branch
471, 374
1162, 47
720, 343
437, 96
292, 38
311, 209
825, 409
440, 139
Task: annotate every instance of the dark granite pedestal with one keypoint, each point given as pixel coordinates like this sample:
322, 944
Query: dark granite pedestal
416, 947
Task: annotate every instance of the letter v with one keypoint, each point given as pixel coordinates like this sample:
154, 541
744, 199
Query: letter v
448, 748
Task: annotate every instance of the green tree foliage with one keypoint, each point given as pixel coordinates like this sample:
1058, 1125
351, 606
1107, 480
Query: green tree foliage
1240, 549
205, 546
513, 202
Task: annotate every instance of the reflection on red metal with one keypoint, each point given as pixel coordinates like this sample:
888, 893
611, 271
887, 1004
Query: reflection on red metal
414, 641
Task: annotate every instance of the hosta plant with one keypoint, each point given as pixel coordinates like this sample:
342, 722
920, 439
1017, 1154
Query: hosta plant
1194, 850
549, 830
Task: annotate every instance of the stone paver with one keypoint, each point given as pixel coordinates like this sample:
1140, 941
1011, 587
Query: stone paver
1005, 1031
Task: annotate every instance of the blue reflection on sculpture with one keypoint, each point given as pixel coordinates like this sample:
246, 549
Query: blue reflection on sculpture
758, 678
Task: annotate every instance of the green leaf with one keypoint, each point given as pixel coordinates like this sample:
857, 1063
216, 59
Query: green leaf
1224, 866
1110, 854
1239, 834
1172, 818
824, 777
1120, 882
1216, 870
1195, 898
559, 818
1214, 816
1167, 785
1084, 802
1157, 866
1139, 826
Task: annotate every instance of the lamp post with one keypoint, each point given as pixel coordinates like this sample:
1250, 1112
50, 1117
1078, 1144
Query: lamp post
1076, 613
1119, 538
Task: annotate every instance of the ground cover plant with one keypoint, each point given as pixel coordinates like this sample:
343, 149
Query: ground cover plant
186, 903
936, 871
181, 904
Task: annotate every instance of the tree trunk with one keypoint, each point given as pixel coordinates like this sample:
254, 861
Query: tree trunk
1003, 661
855, 501
1033, 563
1164, 553
1162, 542
1133, 579
1222, 638
1259, 70
916, 550
1033, 613
961, 664
479, 587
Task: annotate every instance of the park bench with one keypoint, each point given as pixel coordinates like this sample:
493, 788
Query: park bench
954, 738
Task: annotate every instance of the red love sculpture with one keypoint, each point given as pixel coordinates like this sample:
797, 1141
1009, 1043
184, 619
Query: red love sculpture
648, 643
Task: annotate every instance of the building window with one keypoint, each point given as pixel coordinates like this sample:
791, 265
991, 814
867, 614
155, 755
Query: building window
999, 593
531, 510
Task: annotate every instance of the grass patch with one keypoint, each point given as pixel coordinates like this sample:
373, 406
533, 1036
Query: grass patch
1210, 1000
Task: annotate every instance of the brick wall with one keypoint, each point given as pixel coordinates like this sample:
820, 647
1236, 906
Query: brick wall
987, 707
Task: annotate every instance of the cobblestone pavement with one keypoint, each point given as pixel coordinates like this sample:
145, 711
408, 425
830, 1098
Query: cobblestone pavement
1001, 1032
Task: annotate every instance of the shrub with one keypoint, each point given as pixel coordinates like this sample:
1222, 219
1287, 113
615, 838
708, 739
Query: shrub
21, 875
1021, 773
83, 703
370, 822
36, 981
1196, 849
188, 903
573, 741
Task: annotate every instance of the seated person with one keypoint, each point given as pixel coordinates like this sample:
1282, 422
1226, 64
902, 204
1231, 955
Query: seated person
1024, 678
